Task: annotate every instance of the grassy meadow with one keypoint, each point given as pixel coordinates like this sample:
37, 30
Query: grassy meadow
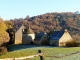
51, 53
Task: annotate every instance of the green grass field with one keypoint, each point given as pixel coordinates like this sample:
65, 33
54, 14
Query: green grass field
51, 53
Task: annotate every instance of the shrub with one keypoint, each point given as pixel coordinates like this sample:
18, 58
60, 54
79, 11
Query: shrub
4, 38
3, 50
72, 43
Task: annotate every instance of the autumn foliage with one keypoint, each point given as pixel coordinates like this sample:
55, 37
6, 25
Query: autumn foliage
50, 21
72, 43
4, 36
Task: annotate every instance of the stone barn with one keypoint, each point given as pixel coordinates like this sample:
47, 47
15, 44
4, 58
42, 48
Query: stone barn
41, 38
24, 35
60, 38
28, 36
18, 35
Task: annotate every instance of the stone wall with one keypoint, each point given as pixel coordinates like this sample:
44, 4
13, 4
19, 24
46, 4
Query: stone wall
54, 42
18, 35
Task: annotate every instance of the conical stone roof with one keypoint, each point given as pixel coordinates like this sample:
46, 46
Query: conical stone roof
29, 31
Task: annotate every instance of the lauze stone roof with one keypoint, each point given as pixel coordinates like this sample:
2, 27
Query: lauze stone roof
39, 36
56, 35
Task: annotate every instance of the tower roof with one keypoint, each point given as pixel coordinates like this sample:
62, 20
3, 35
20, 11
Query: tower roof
29, 31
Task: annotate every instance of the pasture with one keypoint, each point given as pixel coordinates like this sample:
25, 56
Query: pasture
51, 53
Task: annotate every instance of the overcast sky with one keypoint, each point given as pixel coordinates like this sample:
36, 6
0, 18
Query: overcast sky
10, 9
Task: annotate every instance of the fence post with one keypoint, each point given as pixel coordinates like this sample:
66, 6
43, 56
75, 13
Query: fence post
41, 57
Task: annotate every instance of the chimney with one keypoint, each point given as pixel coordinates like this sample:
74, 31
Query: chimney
65, 30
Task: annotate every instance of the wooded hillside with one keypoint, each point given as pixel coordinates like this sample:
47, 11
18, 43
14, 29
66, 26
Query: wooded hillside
51, 21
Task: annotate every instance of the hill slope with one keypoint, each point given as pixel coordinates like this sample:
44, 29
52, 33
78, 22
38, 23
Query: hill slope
51, 21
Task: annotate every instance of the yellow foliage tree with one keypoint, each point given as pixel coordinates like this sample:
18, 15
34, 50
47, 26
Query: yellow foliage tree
2, 26
4, 36
9, 24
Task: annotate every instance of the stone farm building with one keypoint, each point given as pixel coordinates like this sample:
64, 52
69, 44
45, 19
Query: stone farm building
41, 38
60, 38
24, 36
